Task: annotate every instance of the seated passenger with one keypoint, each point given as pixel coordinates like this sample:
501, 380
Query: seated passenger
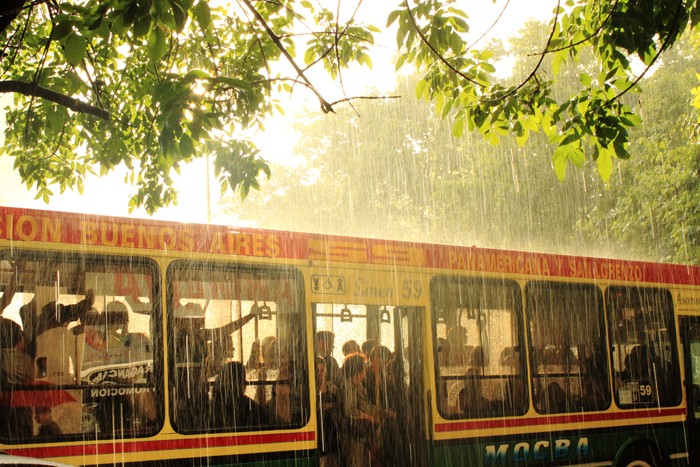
471, 401
278, 408
645, 366
555, 400
637, 365
270, 353
459, 352
509, 359
477, 358
16, 369
47, 427
231, 406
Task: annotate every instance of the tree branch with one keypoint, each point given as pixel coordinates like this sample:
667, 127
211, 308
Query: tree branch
9, 11
437, 54
325, 106
33, 90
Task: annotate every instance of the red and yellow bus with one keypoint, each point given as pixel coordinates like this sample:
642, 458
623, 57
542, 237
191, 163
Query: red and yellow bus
133, 334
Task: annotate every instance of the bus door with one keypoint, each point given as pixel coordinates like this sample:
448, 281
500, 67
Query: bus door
409, 325
690, 333
390, 338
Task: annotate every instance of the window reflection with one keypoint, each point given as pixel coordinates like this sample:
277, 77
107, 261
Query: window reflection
78, 355
236, 336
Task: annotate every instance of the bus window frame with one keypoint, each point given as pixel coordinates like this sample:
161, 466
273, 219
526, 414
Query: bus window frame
535, 376
436, 314
673, 372
276, 271
81, 260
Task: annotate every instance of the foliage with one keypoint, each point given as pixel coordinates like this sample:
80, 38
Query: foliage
153, 84
653, 208
591, 121
393, 169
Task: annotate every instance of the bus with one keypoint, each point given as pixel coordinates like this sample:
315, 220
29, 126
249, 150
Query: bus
128, 341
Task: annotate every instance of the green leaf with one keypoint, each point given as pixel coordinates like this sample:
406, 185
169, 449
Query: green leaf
202, 14
392, 17
458, 127
75, 49
187, 148
62, 29
605, 164
157, 46
585, 79
559, 160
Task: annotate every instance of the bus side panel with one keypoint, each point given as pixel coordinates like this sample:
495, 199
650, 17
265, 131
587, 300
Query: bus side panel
572, 447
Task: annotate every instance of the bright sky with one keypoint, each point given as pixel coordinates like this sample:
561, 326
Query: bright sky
192, 205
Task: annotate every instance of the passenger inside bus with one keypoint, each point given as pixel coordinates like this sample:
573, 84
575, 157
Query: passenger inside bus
194, 363
270, 353
442, 351
554, 398
644, 366
108, 338
471, 401
325, 342
51, 315
514, 397
595, 390
232, 408
44, 418
16, 369
278, 408
108, 346
376, 382
458, 350
359, 414
327, 405
367, 347
351, 347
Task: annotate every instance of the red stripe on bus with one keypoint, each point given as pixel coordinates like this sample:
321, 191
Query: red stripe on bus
129, 234
115, 447
555, 420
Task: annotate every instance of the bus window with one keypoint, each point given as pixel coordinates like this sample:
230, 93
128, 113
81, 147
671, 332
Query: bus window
478, 349
80, 361
366, 325
645, 363
237, 347
568, 356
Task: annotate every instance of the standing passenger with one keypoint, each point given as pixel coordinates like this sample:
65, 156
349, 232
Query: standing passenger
325, 342
359, 415
327, 405
367, 346
16, 369
350, 347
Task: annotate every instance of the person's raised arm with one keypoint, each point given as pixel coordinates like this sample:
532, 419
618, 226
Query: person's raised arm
234, 326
